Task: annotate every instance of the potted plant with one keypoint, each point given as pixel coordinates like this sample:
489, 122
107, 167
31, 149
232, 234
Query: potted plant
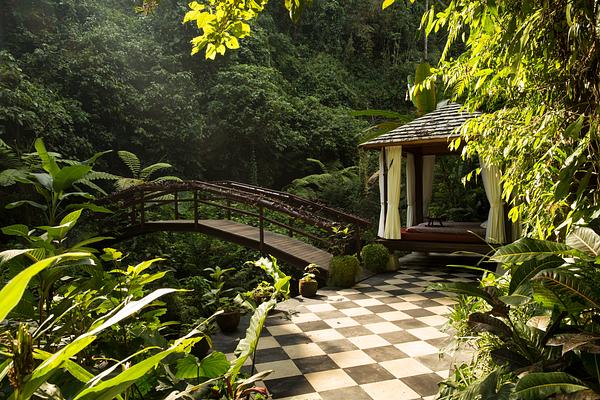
229, 319
220, 299
308, 283
261, 293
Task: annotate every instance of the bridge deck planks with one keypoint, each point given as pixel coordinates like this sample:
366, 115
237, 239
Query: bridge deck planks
292, 250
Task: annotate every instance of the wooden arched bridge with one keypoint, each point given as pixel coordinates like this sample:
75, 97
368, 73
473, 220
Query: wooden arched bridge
286, 226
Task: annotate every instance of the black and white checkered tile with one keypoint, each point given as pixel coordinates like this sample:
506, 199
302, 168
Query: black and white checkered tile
379, 340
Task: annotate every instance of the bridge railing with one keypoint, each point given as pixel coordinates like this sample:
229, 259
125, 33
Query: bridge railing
267, 208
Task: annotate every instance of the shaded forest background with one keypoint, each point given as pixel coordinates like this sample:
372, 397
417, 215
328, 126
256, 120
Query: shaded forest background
94, 75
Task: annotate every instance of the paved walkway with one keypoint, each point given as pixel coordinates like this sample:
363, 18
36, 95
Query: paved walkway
379, 340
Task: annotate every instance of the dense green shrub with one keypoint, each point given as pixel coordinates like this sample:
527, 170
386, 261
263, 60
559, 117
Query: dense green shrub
534, 329
375, 257
343, 271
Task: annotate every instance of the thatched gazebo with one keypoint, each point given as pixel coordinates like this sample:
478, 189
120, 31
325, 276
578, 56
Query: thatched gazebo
420, 141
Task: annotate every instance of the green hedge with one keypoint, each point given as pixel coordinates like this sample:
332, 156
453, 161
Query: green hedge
375, 257
343, 271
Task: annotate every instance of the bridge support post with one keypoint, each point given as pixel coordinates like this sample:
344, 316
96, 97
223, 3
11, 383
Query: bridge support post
357, 240
196, 207
176, 199
261, 227
143, 208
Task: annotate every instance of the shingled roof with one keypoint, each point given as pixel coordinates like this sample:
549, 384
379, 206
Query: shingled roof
435, 127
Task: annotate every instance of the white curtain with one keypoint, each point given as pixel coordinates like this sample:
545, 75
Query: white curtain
381, 230
428, 164
394, 176
411, 214
491, 176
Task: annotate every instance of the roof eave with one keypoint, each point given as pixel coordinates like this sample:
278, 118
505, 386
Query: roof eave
392, 142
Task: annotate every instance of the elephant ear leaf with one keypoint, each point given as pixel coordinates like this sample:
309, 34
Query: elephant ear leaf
541, 385
585, 240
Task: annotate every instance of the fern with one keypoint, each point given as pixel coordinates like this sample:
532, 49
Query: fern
131, 161
147, 172
8, 157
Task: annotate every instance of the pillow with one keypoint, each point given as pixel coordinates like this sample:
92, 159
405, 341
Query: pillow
484, 225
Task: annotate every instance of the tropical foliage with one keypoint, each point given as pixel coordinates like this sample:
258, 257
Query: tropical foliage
540, 97
536, 330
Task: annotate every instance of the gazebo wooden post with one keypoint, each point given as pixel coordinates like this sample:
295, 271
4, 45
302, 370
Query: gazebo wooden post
418, 157
385, 182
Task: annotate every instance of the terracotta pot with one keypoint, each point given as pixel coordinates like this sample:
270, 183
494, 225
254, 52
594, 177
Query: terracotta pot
308, 288
228, 321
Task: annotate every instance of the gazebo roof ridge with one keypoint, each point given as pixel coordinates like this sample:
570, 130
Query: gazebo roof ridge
437, 126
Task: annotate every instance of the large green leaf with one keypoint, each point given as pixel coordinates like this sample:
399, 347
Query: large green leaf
526, 249
280, 279
248, 344
8, 255
52, 364
566, 283
26, 202
78, 372
480, 322
16, 230
423, 97
44, 179
572, 341
211, 366
107, 390
65, 178
505, 356
523, 273
11, 293
585, 240
541, 385
48, 161
214, 365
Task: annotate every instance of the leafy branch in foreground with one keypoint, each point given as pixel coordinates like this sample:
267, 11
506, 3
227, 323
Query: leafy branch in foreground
540, 100
224, 22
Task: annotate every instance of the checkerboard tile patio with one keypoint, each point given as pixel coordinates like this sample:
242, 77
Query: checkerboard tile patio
379, 340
